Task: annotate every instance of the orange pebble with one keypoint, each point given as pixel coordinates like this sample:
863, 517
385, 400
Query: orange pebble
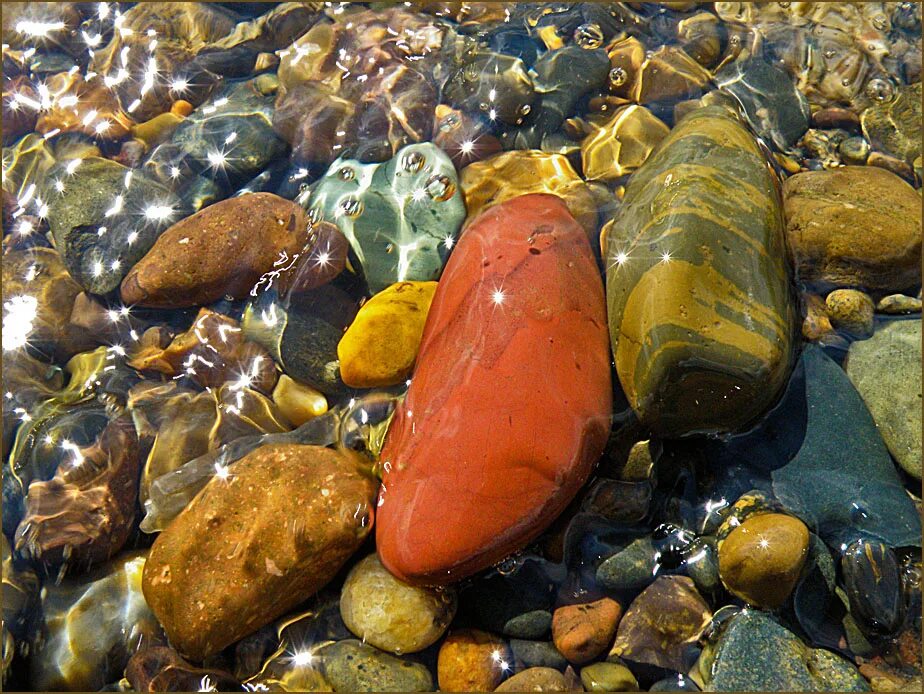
181, 108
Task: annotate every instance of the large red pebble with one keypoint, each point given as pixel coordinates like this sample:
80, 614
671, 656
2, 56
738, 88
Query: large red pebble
509, 405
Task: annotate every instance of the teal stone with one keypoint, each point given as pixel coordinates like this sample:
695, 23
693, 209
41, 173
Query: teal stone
401, 217
105, 217
754, 653
353, 666
842, 480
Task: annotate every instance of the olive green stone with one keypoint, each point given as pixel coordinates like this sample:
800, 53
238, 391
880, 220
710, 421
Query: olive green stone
352, 666
886, 369
701, 307
894, 127
401, 217
630, 569
754, 653
608, 677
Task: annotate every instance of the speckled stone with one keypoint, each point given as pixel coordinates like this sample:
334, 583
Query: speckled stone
230, 563
472, 661
754, 653
391, 615
400, 217
886, 370
851, 310
353, 666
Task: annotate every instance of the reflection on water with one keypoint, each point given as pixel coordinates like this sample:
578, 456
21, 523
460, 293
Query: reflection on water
471, 346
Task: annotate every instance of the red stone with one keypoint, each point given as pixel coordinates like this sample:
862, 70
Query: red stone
509, 404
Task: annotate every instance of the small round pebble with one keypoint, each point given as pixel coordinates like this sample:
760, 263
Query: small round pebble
471, 660
582, 632
298, 402
608, 677
535, 679
854, 150
761, 559
390, 614
851, 310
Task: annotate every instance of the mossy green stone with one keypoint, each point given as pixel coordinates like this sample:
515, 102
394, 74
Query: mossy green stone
608, 677
352, 666
701, 308
754, 653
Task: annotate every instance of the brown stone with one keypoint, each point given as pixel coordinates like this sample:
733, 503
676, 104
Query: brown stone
472, 661
212, 352
852, 311
220, 251
854, 226
323, 257
257, 542
661, 622
622, 144
669, 74
626, 58
816, 323
761, 559
582, 632
535, 679
110, 121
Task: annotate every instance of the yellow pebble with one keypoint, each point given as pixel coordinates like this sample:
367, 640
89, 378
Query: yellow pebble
156, 130
298, 402
181, 108
380, 347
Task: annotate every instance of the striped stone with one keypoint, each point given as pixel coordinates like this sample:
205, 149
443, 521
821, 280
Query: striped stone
700, 300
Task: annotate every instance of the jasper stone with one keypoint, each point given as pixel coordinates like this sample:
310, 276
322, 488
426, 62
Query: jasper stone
661, 622
391, 615
886, 370
400, 217
522, 277
760, 561
97, 195
701, 344
755, 653
380, 346
582, 632
219, 251
236, 559
520, 172
854, 226
353, 666
472, 661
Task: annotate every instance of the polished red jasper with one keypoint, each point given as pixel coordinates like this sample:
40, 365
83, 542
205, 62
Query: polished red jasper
509, 405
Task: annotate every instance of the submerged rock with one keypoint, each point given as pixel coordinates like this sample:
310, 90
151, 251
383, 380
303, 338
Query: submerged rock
893, 126
472, 661
401, 217
94, 218
234, 560
161, 669
856, 226
850, 310
220, 251
700, 345
755, 653
352, 666
391, 615
491, 305
840, 479
535, 679
874, 587
886, 370
622, 144
380, 346
581, 632
106, 603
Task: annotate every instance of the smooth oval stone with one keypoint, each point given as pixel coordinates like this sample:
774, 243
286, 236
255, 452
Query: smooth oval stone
472, 661
856, 226
235, 558
107, 604
219, 251
873, 583
519, 172
532, 654
401, 217
851, 311
297, 402
535, 679
761, 560
99, 194
520, 297
352, 666
886, 370
701, 344
380, 346
581, 632
622, 144
661, 622
631, 568
391, 615
898, 304
608, 677
754, 653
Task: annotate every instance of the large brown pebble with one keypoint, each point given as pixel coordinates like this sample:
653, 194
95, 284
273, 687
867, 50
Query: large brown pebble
582, 632
535, 679
254, 544
220, 251
472, 661
761, 559
852, 311
855, 226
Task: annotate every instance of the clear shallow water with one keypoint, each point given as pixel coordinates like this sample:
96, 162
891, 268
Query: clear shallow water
496, 337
